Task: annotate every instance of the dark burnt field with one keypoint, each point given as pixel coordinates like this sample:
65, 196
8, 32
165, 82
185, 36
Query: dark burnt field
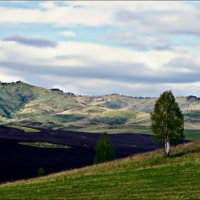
19, 161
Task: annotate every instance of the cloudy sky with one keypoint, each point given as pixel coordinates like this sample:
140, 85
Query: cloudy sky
132, 48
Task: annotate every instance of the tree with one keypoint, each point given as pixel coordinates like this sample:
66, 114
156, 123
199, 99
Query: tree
167, 121
41, 172
104, 149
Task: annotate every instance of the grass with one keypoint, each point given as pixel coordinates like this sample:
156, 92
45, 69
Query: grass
67, 118
118, 113
145, 176
25, 129
192, 134
193, 114
45, 145
21, 102
118, 129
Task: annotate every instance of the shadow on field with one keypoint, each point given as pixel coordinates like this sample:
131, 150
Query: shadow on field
20, 161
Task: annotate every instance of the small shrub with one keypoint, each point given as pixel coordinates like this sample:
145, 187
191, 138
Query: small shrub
41, 172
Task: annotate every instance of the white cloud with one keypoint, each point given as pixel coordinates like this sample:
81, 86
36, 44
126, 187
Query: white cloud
68, 33
98, 68
96, 62
101, 87
143, 17
50, 13
72, 54
48, 5
7, 75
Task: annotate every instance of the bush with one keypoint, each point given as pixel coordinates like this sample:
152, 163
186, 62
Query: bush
41, 172
104, 150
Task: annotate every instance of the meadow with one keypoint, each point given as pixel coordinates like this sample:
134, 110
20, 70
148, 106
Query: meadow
145, 176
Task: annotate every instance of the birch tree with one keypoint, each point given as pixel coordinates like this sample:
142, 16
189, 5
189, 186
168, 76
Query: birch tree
167, 121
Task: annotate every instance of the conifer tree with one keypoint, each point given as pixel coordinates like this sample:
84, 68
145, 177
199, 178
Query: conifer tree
104, 149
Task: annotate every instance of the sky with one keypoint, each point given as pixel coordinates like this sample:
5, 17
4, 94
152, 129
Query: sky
136, 48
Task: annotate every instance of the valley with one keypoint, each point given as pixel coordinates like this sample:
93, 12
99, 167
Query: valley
23, 153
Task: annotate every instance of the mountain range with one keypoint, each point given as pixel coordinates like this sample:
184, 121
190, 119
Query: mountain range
27, 105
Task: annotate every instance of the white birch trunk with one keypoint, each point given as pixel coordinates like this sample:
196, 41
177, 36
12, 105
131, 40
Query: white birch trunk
167, 147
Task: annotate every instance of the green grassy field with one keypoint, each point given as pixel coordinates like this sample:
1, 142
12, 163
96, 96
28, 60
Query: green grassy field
144, 176
45, 145
25, 129
192, 135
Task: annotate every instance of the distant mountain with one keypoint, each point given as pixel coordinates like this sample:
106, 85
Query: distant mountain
28, 105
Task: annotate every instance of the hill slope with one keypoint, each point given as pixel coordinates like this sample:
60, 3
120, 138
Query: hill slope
27, 105
145, 176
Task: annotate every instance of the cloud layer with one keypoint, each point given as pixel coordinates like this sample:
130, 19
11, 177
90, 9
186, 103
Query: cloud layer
133, 48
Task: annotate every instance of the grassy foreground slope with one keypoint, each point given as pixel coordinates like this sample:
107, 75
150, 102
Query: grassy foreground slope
145, 176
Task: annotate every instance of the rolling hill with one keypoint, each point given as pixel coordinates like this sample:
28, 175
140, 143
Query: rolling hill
31, 110
26, 105
144, 176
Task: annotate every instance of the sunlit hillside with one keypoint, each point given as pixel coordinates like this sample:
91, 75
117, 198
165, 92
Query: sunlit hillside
144, 176
27, 105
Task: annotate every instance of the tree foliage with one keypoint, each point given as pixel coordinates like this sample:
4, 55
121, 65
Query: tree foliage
167, 120
41, 172
104, 149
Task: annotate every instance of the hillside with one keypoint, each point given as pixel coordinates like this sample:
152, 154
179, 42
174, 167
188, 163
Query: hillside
24, 151
144, 176
26, 105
